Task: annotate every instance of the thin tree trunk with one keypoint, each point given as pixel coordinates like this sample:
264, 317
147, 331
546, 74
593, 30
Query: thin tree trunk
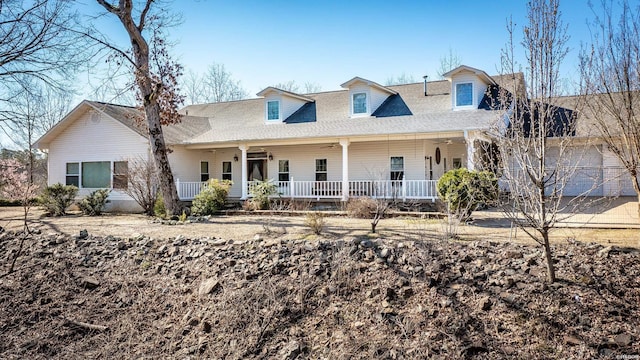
551, 272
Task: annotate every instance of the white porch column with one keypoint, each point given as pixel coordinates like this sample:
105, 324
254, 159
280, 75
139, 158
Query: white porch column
245, 186
345, 168
471, 151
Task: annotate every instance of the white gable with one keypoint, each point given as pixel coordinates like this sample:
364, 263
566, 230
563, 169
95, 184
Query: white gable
288, 102
461, 78
376, 94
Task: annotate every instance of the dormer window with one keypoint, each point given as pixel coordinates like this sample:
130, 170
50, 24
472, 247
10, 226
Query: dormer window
359, 103
273, 110
464, 94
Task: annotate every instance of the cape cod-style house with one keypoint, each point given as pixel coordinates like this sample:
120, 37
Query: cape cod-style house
364, 140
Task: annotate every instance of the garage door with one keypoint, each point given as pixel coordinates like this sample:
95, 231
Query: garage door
587, 178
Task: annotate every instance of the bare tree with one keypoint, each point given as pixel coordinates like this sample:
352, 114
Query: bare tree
611, 82
536, 138
193, 87
38, 46
37, 41
311, 87
401, 79
449, 62
292, 86
156, 81
220, 86
141, 183
216, 85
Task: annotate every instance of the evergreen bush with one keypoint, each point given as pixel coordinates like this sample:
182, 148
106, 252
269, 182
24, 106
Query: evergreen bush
55, 199
211, 198
94, 203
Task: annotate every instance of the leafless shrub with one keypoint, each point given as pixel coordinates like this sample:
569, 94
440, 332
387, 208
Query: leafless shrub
283, 204
361, 207
142, 180
315, 221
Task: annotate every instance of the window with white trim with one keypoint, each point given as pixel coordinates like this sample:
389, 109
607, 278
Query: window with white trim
204, 171
73, 174
321, 169
120, 175
359, 103
96, 174
464, 94
226, 170
397, 167
273, 110
283, 170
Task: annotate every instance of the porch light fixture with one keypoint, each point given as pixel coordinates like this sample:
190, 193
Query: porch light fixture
235, 158
270, 157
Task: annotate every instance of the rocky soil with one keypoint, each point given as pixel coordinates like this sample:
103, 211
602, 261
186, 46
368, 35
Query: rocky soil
87, 296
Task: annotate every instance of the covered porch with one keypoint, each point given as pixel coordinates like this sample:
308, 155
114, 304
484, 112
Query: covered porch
399, 167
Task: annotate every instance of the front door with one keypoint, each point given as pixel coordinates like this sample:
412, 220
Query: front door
257, 169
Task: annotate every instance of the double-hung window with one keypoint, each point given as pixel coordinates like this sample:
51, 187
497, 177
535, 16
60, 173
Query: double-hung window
464, 94
73, 174
204, 171
273, 110
120, 175
397, 167
359, 102
226, 170
283, 170
321, 169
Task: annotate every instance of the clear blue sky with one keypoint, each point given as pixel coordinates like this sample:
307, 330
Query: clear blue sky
329, 42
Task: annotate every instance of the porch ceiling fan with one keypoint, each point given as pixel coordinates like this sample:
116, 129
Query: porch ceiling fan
447, 141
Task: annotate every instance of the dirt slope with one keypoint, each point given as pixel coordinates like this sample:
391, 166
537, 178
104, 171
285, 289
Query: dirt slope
107, 297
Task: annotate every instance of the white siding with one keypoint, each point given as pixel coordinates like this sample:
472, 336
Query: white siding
302, 161
447, 153
371, 160
94, 139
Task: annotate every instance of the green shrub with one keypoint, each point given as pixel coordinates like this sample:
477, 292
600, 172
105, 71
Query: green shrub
94, 203
158, 207
463, 190
211, 198
57, 198
260, 192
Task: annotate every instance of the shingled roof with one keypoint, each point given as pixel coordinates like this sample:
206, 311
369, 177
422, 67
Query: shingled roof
410, 111
325, 115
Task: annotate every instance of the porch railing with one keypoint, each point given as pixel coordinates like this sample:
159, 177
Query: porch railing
385, 189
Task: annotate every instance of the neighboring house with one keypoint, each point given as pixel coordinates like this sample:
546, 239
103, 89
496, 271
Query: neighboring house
365, 140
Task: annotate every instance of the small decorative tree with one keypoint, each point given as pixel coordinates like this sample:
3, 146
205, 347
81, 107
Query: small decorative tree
15, 185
